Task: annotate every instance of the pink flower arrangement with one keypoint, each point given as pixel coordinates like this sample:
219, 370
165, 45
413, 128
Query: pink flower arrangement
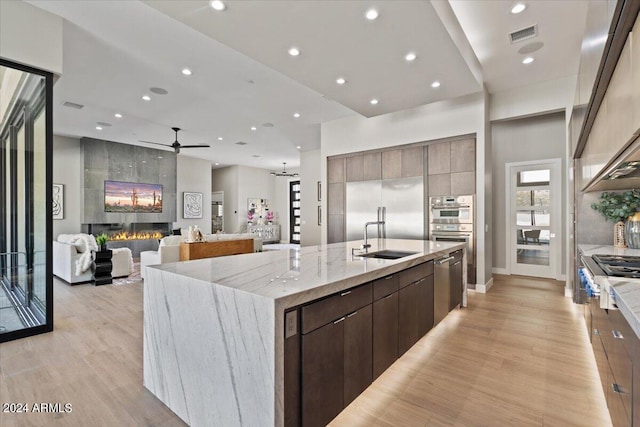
250, 216
269, 216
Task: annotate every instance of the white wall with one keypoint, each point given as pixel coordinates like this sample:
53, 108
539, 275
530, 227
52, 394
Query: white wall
464, 115
66, 170
30, 36
310, 165
534, 138
194, 176
548, 96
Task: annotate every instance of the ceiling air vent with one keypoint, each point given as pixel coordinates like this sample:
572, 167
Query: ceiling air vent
524, 34
241, 143
73, 105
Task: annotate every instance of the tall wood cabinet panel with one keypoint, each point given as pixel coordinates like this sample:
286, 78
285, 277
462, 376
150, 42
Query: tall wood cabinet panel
408, 323
358, 353
322, 374
412, 162
335, 170
391, 164
635, 75
335, 228
372, 163
336, 201
355, 168
463, 156
463, 183
439, 158
425, 305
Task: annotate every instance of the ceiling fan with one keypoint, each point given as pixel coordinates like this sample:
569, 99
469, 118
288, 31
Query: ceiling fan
284, 171
176, 145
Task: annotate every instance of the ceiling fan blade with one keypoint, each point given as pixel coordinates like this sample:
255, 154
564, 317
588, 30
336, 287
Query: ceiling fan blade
156, 143
195, 146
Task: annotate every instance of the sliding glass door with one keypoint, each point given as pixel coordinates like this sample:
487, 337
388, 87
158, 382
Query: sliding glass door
26, 305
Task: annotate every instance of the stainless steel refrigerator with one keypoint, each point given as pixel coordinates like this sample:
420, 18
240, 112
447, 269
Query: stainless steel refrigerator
403, 203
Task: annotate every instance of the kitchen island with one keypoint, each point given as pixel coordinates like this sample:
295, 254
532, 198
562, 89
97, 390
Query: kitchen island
214, 328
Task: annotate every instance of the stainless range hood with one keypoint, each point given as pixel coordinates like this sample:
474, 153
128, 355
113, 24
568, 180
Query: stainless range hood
622, 172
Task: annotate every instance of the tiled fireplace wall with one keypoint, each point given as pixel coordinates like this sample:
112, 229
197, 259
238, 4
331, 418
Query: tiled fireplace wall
106, 160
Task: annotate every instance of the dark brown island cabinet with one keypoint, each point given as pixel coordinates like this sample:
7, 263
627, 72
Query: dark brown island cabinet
346, 340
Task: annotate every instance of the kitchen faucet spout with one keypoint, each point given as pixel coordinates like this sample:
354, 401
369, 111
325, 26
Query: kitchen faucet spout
366, 244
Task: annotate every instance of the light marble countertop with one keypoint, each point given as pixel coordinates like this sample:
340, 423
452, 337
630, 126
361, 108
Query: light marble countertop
625, 292
296, 276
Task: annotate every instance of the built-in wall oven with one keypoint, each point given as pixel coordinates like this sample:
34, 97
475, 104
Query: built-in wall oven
451, 220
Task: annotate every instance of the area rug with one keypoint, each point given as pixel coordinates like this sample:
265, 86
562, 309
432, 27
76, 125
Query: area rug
130, 279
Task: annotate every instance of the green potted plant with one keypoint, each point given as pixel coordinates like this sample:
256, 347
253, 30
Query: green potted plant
101, 240
621, 207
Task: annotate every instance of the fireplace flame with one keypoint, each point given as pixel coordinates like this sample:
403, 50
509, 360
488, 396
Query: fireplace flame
139, 235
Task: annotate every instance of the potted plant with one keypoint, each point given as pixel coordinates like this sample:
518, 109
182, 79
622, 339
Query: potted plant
621, 207
101, 240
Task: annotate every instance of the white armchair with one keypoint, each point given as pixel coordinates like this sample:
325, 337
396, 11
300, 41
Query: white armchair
65, 256
168, 251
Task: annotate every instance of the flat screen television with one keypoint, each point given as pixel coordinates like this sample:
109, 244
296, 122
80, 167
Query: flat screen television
132, 197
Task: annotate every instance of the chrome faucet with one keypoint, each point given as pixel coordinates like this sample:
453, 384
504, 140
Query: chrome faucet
366, 244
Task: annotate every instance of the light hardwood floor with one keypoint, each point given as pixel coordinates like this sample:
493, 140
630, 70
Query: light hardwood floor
518, 355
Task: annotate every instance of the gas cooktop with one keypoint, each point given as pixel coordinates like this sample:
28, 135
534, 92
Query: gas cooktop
619, 265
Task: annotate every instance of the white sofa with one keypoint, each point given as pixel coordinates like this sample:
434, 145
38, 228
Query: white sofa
66, 255
169, 249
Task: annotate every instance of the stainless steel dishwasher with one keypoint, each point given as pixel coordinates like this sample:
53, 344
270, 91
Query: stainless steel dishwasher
441, 289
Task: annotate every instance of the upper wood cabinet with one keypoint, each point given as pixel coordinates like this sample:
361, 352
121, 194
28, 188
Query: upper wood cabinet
335, 170
635, 74
391, 164
372, 164
619, 102
439, 158
463, 155
412, 162
355, 168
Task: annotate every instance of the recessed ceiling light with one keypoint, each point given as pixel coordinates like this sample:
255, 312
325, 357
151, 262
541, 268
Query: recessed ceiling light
217, 164
341, 80
528, 60
371, 14
186, 72
410, 56
296, 115
517, 8
373, 101
117, 115
144, 161
220, 138
435, 84
130, 166
298, 147
294, 51
146, 97
98, 128
253, 128
218, 5
159, 157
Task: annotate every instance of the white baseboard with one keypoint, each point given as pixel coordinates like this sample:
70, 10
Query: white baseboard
568, 292
484, 288
496, 270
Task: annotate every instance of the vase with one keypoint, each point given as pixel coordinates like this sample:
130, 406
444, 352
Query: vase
618, 235
632, 231
103, 247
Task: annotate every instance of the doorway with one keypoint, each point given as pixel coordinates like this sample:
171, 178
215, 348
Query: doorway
533, 217
294, 212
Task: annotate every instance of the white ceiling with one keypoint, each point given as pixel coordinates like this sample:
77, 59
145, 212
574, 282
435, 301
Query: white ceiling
114, 51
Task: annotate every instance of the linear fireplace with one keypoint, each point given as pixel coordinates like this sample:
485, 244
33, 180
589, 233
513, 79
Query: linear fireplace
137, 236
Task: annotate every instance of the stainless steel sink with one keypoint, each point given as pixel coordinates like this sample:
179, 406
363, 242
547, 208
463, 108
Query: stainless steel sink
387, 254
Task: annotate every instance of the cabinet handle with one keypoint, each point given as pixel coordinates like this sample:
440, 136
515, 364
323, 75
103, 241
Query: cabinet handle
388, 277
617, 335
443, 260
596, 332
352, 314
456, 263
389, 296
616, 388
421, 280
345, 293
339, 320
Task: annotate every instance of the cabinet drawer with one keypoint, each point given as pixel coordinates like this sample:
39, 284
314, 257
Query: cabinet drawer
622, 329
385, 286
618, 401
413, 274
327, 310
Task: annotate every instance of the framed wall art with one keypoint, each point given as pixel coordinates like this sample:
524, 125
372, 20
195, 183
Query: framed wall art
192, 205
58, 201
